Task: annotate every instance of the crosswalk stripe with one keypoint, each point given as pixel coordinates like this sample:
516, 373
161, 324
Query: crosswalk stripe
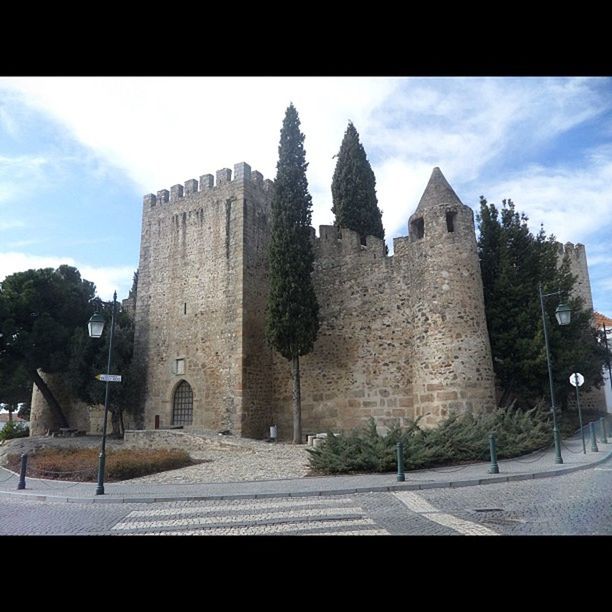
222, 518
284, 528
422, 507
264, 504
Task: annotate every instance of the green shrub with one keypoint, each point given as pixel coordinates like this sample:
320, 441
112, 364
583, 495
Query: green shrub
461, 438
14, 430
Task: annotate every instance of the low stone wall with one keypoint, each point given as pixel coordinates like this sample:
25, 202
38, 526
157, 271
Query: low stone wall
169, 438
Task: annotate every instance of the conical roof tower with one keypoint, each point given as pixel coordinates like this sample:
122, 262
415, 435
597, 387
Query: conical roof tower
438, 192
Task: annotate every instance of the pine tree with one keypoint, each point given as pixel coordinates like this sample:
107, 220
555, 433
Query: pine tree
513, 261
354, 189
292, 314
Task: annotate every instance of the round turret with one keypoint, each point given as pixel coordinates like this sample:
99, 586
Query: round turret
452, 368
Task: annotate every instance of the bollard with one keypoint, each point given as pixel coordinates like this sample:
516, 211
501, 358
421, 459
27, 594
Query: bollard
493, 468
604, 437
401, 477
594, 448
22, 471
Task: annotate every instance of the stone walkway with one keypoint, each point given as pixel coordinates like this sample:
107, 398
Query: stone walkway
263, 463
227, 459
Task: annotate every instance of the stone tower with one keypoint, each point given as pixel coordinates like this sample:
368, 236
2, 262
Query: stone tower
452, 366
200, 299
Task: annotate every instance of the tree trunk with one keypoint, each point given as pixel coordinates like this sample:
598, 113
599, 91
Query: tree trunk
297, 401
56, 409
116, 422
10, 411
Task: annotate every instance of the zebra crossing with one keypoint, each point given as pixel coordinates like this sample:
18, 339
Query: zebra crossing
278, 516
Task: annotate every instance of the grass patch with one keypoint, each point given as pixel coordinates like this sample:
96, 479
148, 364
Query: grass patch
81, 464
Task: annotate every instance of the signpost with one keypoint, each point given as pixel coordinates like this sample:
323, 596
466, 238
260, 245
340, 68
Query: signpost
109, 377
577, 380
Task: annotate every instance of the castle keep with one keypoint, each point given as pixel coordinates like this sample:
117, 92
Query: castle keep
400, 336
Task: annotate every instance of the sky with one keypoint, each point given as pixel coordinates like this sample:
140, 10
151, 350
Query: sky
77, 154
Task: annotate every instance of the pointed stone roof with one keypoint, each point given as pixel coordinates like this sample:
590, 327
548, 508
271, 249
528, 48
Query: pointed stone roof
438, 191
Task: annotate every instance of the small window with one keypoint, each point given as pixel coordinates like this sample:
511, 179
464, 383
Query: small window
179, 366
417, 228
450, 220
185, 308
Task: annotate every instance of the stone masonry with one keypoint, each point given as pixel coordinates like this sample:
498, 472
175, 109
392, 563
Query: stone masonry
400, 336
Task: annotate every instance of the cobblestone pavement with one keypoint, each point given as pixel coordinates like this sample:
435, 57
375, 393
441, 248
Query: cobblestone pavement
232, 460
578, 503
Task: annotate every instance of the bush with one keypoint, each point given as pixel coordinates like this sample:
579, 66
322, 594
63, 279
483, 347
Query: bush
459, 439
14, 430
81, 464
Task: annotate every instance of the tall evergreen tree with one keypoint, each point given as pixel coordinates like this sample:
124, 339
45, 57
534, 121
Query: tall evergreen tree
292, 313
355, 205
513, 262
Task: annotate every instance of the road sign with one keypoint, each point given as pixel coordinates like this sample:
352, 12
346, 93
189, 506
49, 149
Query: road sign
577, 379
109, 377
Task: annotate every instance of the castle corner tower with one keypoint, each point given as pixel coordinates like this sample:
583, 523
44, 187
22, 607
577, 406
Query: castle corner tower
452, 365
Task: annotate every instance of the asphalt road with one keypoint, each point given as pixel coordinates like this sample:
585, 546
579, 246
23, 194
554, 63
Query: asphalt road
578, 503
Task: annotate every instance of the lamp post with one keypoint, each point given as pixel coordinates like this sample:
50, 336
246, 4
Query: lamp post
96, 326
563, 313
605, 339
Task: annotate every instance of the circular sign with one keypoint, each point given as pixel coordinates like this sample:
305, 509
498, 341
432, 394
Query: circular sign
577, 379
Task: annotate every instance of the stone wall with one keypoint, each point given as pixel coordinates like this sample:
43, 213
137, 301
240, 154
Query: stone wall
578, 266
451, 359
190, 296
359, 365
169, 438
257, 355
592, 398
41, 417
400, 336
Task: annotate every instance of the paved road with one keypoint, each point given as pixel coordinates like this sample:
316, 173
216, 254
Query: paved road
575, 503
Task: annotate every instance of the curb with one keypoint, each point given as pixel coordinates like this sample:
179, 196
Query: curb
406, 486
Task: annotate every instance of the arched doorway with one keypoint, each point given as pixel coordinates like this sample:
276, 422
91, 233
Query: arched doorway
182, 405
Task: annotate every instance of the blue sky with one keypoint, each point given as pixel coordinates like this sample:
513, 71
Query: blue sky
78, 154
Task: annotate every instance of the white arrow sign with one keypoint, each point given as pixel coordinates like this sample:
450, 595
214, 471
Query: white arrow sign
576, 379
109, 377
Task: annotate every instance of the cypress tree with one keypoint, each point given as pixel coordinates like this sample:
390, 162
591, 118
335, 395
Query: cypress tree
354, 189
292, 319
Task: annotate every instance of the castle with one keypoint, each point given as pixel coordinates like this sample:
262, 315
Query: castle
400, 336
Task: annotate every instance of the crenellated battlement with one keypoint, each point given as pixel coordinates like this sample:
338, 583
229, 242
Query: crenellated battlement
576, 254
336, 241
242, 174
571, 249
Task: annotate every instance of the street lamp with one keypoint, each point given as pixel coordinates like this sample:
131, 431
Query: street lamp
96, 325
605, 340
563, 313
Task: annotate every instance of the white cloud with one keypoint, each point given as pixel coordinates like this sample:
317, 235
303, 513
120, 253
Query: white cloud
107, 279
574, 203
20, 174
10, 224
163, 131
399, 187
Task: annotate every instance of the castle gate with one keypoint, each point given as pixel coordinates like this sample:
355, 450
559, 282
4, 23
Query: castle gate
182, 405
